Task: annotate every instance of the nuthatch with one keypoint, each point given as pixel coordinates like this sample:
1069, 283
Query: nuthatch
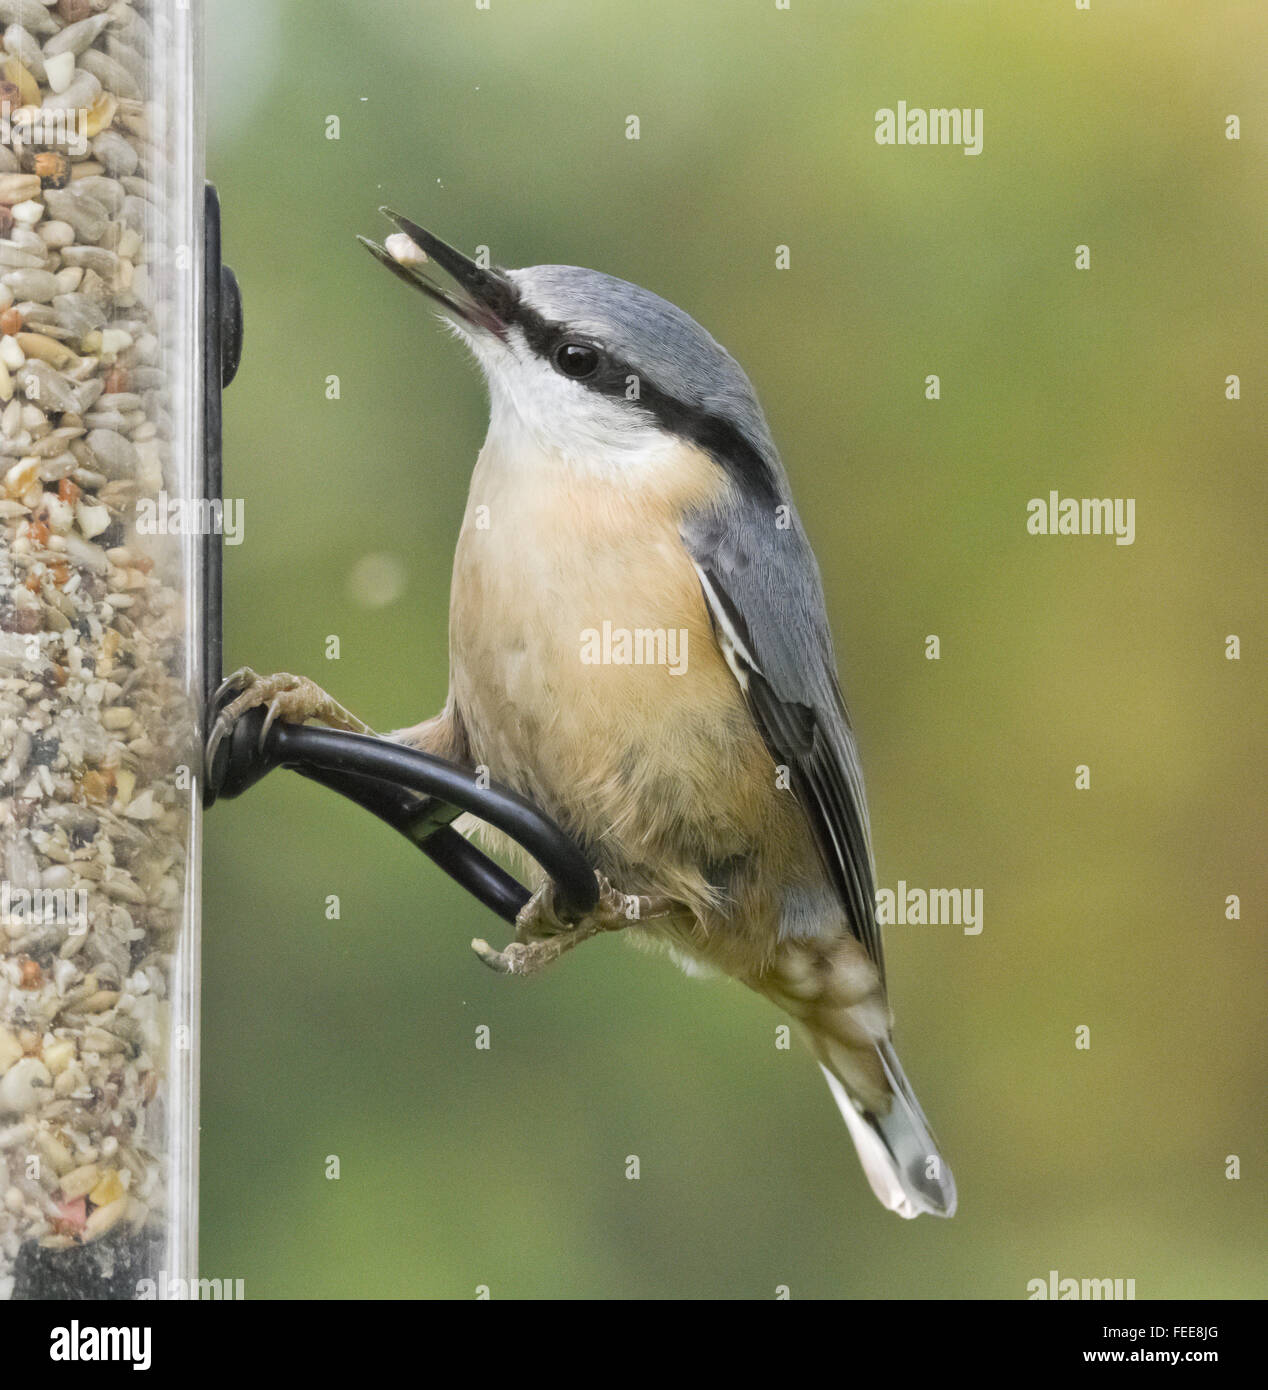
638, 642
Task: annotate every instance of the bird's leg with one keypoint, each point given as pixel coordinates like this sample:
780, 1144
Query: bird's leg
541, 936
292, 698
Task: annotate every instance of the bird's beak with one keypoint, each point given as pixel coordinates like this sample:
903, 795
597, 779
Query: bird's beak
484, 299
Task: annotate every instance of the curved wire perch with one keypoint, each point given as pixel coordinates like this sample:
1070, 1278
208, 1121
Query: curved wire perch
419, 796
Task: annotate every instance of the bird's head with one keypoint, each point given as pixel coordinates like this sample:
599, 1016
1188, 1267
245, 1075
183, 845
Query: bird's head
586, 363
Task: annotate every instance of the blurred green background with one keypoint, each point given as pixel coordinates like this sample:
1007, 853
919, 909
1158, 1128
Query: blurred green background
1104, 907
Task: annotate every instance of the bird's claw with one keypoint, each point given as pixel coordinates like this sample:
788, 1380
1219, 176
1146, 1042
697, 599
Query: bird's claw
541, 936
537, 920
292, 698
512, 961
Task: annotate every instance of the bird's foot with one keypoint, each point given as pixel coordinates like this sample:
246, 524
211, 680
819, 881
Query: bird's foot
542, 936
291, 698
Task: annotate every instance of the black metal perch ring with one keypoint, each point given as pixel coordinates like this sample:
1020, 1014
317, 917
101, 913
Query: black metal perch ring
418, 795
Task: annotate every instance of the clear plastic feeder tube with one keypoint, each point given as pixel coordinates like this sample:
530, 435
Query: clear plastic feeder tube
100, 540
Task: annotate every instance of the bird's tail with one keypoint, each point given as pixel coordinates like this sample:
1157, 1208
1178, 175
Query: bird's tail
895, 1145
833, 991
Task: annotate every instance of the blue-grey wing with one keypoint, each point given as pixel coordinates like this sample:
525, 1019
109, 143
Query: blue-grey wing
765, 596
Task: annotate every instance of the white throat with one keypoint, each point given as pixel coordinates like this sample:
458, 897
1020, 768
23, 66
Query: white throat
538, 413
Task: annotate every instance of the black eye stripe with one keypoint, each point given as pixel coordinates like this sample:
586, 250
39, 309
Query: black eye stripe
720, 439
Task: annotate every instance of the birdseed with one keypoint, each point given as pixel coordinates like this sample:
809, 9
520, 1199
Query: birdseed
96, 727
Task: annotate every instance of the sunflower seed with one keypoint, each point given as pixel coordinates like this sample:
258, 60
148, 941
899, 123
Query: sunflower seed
108, 192
97, 258
12, 255
30, 283
114, 77
78, 313
126, 55
22, 44
84, 213
111, 453
38, 382
76, 37
30, 14
118, 156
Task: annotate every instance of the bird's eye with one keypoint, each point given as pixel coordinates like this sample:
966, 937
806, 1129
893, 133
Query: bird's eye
576, 360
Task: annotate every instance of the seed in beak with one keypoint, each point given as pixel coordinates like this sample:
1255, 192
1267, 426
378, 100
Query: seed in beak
404, 250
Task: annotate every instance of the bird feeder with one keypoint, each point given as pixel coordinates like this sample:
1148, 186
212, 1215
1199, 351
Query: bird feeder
103, 544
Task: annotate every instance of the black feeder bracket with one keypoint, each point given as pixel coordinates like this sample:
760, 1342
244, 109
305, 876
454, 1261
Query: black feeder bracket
417, 794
